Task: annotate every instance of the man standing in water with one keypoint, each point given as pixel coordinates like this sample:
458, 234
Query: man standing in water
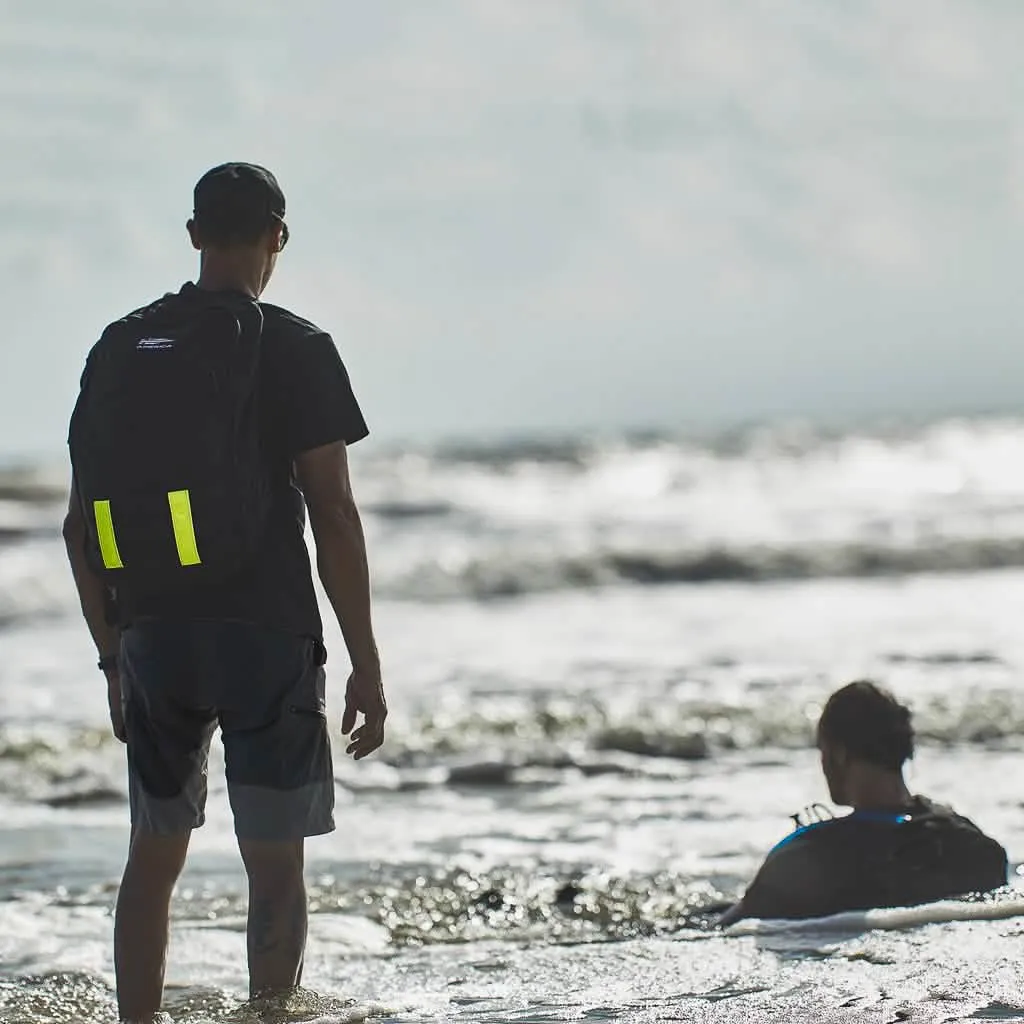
206, 423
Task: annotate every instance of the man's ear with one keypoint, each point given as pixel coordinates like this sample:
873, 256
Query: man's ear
190, 227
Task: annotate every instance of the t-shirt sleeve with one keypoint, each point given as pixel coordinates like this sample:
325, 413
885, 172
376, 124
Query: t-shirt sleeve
317, 404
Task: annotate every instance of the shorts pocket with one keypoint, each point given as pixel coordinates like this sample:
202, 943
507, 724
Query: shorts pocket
310, 695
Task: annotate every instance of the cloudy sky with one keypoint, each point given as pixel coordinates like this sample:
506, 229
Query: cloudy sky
533, 215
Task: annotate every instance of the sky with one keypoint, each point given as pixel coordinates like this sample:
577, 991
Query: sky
532, 216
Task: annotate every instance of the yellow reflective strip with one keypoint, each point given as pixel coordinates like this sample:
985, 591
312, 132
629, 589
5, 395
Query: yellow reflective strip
105, 534
184, 530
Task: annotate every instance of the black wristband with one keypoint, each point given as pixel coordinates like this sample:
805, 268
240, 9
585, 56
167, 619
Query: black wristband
107, 663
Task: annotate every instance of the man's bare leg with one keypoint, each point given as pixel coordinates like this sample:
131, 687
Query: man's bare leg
141, 922
278, 915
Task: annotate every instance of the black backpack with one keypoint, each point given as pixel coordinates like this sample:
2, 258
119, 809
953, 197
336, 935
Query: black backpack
165, 444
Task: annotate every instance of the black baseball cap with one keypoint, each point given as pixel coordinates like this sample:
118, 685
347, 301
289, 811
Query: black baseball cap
238, 196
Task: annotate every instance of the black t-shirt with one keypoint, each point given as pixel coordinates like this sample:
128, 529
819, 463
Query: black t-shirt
306, 401
866, 860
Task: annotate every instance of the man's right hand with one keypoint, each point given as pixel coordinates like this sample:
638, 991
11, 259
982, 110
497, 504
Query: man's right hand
364, 695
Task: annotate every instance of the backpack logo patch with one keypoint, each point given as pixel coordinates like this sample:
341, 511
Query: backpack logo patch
154, 344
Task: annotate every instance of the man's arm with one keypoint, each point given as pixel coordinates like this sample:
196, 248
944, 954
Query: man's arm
342, 564
93, 600
793, 883
737, 912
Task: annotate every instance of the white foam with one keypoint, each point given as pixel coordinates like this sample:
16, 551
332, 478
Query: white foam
888, 919
356, 1013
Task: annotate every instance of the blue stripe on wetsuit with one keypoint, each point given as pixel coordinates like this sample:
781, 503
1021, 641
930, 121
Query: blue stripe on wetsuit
877, 817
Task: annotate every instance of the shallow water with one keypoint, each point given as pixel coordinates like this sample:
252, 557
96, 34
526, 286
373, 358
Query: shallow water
577, 772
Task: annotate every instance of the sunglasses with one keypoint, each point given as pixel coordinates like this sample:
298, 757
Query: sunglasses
285, 233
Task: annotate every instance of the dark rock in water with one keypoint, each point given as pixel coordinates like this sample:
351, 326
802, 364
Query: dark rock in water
684, 747
491, 900
10, 534
98, 796
944, 658
410, 509
567, 895
482, 773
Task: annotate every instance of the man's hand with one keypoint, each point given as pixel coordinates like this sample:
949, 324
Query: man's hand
364, 695
115, 705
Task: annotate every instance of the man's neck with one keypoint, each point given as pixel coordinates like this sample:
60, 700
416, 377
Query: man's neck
878, 789
218, 283
222, 274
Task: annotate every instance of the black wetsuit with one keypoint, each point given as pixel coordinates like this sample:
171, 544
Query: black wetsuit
869, 859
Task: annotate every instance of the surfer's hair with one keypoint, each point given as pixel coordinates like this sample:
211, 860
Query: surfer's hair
870, 723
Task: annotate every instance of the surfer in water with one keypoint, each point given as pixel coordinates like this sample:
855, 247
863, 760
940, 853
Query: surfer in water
895, 849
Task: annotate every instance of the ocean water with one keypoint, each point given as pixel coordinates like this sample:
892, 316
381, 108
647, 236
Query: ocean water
604, 660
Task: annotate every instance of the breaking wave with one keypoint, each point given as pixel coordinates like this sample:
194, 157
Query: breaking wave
787, 503
510, 573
